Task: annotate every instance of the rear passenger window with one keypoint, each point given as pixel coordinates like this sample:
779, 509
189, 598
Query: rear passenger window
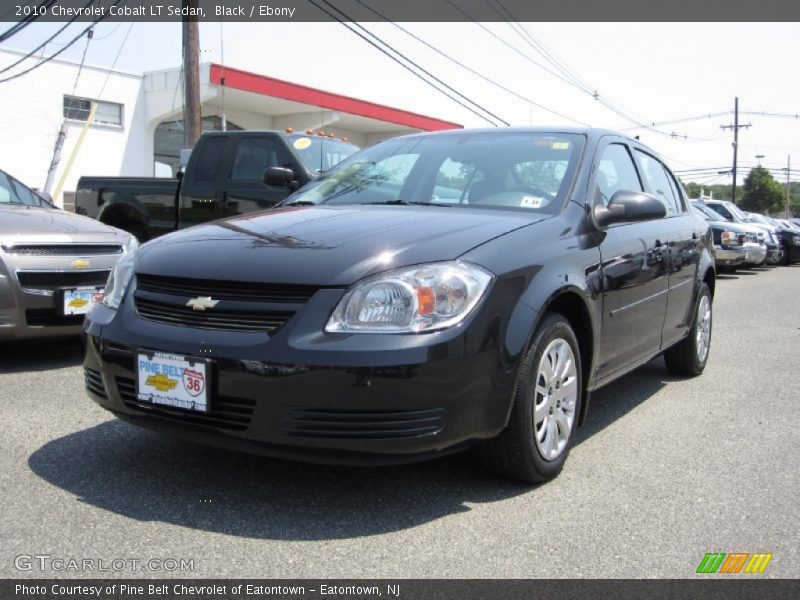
658, 182
253, 157
616, 172
210, 156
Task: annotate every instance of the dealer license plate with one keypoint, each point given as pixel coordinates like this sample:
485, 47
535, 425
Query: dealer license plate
79, 301
172, 380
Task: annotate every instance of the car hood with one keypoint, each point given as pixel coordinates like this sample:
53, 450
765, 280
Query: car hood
736, 227
332, 246
29, 224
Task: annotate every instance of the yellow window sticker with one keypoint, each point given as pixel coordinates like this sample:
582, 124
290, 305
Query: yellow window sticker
560, 145
302, 143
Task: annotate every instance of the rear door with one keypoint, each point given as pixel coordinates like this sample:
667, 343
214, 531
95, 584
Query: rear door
634, 268
684, 233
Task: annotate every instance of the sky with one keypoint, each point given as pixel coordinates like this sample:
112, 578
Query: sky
653, 72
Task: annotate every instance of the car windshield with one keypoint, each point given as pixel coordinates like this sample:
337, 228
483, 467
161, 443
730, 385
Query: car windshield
709, 212
524, 171
737, 212
320, 153
13, 192
756, 218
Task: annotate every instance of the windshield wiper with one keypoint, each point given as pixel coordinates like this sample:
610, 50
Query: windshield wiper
401, 202
300, 203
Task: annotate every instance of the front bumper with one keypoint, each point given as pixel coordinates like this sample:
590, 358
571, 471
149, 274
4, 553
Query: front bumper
774, 254
299, 394
729, 256
756, 253
27, 313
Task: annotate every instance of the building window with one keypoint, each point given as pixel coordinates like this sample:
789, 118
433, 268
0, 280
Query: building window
106, 113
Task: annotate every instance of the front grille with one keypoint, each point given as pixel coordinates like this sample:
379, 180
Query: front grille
63, 249
50, 280
742, 239
94, 382
226, 290
224, 320
39, 317
362, 425
224, 412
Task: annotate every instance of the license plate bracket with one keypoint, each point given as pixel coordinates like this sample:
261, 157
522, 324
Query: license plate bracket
172, 380
79, 300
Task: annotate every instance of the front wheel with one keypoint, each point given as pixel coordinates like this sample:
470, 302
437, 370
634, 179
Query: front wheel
689, 356
536, 442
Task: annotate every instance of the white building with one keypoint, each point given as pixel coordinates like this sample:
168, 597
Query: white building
137, 125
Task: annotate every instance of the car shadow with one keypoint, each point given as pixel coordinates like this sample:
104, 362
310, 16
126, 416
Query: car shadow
724, 276
40, 355
147, 477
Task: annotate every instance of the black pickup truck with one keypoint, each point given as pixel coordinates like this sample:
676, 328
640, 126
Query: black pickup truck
228, 173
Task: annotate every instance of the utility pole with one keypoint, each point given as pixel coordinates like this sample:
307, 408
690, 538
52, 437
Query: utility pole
191, 76
735, 128
788, 171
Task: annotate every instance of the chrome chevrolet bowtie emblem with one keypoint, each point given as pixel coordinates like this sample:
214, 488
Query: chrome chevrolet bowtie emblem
202, 303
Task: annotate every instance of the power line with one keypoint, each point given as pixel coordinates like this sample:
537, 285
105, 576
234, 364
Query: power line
528, 37
35, 14
83, 59
113, 64
55, 54
405, 66
571, 79
471, 70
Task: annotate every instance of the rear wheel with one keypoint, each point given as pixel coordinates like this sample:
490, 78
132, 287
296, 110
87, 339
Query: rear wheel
689, 356
536, 442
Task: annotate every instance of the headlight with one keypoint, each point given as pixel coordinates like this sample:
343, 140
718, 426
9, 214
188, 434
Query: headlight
131, 245
118, 281
729, 238
410, 300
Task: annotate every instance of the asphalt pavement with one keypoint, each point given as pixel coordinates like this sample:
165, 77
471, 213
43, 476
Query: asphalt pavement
665, 470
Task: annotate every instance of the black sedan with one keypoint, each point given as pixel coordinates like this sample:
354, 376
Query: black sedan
429, 293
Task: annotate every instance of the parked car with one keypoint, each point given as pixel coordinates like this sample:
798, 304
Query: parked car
365, 321
790, 240
730, 240
756, 237
53, 264
772, 237
224, 177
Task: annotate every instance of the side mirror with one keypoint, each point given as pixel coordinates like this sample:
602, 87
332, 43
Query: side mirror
629, 207
278, 176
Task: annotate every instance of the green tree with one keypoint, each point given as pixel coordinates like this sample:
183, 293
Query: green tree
761, 192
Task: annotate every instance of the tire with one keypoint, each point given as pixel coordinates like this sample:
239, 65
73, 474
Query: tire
786, 259
517, 452
689, 356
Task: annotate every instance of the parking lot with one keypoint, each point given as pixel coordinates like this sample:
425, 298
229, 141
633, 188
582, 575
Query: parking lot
665, 470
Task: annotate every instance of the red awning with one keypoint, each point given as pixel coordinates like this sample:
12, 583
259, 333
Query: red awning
269, 86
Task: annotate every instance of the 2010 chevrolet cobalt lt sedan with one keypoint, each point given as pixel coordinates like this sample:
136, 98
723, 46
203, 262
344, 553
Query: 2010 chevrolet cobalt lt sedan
429, 293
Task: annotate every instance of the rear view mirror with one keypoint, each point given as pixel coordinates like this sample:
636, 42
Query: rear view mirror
278, 176
629, 207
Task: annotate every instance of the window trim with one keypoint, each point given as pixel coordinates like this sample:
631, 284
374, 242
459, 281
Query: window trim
95, 122
678, 204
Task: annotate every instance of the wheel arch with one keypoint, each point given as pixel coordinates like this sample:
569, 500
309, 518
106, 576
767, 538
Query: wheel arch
126, 214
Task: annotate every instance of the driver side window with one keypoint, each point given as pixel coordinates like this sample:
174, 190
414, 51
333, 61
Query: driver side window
616, 172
